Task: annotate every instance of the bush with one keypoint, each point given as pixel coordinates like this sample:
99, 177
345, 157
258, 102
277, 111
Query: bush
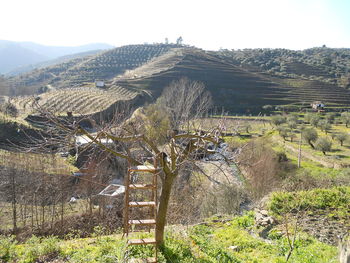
222, 199
333, 198
7, 248
39, 248
278, 120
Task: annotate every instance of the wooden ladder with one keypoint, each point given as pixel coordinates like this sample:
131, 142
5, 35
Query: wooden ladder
131, 187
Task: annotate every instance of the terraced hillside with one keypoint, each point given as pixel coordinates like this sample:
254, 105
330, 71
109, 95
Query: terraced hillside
303, 92
79, 101
236, 88
240, 81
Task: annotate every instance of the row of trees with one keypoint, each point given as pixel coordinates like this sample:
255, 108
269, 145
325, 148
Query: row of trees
38, 194
288, 127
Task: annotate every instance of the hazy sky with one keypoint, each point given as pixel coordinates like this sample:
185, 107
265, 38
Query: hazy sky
294, 24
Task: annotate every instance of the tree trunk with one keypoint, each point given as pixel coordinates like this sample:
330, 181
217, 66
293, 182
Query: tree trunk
14, 202
312, 146
163, 207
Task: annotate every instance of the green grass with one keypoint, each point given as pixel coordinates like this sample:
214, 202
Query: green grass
216, 241
336, 199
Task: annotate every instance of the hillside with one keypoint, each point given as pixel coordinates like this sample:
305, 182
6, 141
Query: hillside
79, 101
217, 240
237, 88
328, 65
240, 81
102, 66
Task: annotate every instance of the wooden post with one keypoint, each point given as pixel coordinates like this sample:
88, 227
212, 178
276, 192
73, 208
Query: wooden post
299, 153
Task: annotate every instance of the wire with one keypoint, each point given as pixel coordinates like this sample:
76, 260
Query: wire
83, 179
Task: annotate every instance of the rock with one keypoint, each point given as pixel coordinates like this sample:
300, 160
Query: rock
264, 212
233, 247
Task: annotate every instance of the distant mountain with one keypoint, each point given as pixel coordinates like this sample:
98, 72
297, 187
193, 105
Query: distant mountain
51, 62
20, 54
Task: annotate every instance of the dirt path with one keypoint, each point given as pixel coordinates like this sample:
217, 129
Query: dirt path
307, 155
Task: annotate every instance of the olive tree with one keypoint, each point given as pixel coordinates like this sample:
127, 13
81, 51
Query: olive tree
330, 117
314, 121
345, 117
278, 120
323, 144
310, 135
284, 132
325, 126
342, 137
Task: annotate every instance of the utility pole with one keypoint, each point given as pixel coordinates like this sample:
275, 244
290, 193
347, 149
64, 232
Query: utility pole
299, 153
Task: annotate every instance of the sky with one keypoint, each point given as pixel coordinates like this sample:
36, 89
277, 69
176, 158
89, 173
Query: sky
231, 24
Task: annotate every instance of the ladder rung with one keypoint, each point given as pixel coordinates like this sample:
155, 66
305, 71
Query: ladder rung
143, 260
141, 186
140, 204
142, 231
143, 241
143, 168
142, 222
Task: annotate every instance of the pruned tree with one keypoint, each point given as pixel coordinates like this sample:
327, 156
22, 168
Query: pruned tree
168, 131
185, 100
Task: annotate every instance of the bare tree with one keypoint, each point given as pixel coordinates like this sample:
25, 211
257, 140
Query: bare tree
183, 103
185, 100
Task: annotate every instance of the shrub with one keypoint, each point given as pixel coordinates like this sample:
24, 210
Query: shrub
278, 120
7, 248
333, 198
38, 248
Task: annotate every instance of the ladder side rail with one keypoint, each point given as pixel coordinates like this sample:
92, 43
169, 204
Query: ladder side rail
126, 202
155, 198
